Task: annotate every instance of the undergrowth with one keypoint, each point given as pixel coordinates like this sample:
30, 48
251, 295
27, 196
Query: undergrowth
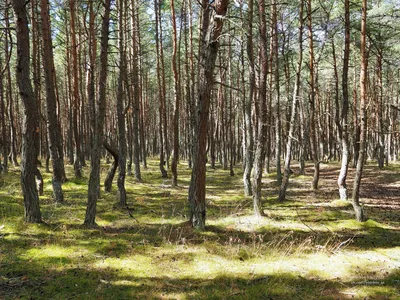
308, 247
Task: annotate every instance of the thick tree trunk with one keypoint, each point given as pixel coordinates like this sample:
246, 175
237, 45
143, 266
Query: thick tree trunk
211, 31
30, 129
363, 118
53, 130
97, 122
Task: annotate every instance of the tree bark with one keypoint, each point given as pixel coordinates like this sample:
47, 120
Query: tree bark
296, 94
262, 116
313, 124
342, 126
30, 129
161, 93
137, 132
76, 96
53, 129
213, 18
111, 171
249, 142
177, 96
120, 110
363, 118
97, 122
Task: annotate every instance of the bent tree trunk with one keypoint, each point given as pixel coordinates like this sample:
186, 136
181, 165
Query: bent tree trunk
211, 30
111, 172
30, 127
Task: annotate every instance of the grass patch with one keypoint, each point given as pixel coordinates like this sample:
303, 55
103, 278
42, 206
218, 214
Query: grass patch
306, 248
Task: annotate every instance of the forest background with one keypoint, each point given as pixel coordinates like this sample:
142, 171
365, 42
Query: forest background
198, 88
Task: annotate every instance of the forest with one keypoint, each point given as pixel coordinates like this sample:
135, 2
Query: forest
181, 149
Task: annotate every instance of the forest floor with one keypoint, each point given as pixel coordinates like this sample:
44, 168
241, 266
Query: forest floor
308, 247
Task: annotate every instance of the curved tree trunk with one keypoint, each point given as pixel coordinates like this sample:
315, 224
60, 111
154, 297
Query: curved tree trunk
111, 172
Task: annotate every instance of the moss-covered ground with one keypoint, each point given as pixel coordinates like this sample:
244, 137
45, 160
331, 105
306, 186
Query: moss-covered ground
308, 247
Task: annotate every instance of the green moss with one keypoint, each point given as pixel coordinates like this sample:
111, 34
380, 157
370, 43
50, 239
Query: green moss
308, 247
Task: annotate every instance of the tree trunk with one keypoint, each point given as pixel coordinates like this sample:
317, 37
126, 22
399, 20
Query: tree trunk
211, 31
76, 97
275, 79
249, 142
120, 110
363, 118
313, 124
177, 96
262, 116
161, 93
3, 141
53, 129
296, 94
111, 171
30, 129
97, 122
136, 98
343, 127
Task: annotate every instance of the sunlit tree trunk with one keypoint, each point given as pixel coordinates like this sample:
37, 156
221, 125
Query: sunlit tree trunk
30, 129
211, 31
53, 129
313, 108
296, 94
120, 109
137, 130
97, 122
177, 96
76, 96
342, 126
262, 116
363, 117
162, 129
249, 141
